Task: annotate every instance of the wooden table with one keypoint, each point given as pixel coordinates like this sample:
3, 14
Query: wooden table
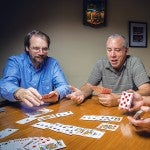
123, 138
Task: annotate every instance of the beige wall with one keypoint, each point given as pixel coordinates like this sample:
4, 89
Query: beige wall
77, 47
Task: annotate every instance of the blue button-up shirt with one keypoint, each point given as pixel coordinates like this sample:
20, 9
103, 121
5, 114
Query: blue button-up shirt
20, 72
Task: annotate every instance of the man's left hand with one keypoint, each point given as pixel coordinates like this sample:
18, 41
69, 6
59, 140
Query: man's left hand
108, 99
52, 97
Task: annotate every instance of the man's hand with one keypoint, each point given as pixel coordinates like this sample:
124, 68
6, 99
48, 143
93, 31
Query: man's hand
137, 101
52, 97
29, 96
77, 96
108, 99
141, 124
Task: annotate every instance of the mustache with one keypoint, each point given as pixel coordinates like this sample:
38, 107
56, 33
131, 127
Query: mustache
40, 56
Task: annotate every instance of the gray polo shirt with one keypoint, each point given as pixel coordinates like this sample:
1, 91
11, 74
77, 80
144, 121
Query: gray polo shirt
130, 76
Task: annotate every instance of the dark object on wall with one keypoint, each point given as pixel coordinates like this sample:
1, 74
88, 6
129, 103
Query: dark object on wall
94, 13
137, 34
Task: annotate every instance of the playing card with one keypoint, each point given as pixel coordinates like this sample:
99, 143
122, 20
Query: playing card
79, 130
125, 100
18, 144
41, 125
89, 117
93, 133
115, 118
46, 96
60, 144
64, 114
101, 90
110, 118
56, 127
32, 140
138, 114
46, 117
102, 118
5, 145
34, 145
2, 109
38, 112
26, 120
53, 145
7, 132
67, 129
108, 126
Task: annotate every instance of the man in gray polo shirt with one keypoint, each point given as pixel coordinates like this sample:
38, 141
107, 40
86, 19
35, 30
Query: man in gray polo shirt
118, 71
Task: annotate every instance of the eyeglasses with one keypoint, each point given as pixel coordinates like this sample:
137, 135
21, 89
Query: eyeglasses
37, 49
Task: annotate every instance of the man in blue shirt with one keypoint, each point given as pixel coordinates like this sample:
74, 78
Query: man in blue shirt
30, 75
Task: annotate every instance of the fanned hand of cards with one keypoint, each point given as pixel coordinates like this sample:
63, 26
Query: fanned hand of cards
138, 114
33, 143
101, 90
51, 97
46, 96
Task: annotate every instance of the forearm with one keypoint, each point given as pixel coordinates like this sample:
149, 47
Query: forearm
146, 100
7, 91
86, 90
63, 91
144, 90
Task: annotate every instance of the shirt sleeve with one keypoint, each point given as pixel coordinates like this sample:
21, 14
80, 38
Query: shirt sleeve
139, 72
9, 81
59, 82
95, 75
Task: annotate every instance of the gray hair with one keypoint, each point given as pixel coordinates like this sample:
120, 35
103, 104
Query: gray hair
125, 42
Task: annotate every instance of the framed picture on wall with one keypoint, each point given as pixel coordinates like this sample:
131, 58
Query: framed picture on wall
94, 13
137, 34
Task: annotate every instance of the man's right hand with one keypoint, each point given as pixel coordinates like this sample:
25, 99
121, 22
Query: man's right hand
142, 124
29, 96
137, 101
77, 96
109, 100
